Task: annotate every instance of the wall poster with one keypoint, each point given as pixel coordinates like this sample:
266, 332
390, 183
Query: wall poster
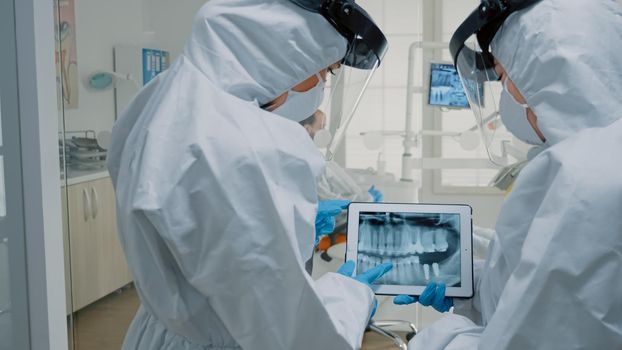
66, 53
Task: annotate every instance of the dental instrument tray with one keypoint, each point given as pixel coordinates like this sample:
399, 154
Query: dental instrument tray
425, 242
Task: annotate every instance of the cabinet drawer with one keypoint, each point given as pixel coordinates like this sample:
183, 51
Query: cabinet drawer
98, 266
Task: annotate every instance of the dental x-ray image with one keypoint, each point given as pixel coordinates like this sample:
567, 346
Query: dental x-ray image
446, 89
421, 246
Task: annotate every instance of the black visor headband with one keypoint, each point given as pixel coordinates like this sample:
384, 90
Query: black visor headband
484, 22
367, 44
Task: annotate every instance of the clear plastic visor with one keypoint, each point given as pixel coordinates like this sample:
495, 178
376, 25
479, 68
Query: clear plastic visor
347, 88
483, 89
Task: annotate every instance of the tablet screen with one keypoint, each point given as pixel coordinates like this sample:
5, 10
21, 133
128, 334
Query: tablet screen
446, 87
421, 246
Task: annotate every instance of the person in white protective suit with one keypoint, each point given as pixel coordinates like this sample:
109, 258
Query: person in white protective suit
552, 277
216, 196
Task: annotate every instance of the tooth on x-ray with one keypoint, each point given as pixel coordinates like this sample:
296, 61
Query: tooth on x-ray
427, 240
426, 271
420, 246
436, 269
389, 241
440, 240
381, 240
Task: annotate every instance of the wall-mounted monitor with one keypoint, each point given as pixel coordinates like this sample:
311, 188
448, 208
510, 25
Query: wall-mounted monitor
446, 89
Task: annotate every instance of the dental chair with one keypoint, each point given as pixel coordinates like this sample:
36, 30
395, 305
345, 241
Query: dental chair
382, 327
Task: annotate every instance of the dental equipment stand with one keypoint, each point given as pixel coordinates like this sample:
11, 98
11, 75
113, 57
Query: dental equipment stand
380, 327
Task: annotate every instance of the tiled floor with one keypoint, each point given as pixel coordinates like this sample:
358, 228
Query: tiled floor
102, 325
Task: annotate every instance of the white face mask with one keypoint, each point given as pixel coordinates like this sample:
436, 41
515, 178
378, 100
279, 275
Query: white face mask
301, 105
514, 117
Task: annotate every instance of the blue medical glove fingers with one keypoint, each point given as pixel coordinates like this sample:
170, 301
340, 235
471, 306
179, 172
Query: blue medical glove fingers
375, 194
332, 205
325, 219
373, 309
342, 203
372, 190
439, 297
434, 295
347, 269
326, 213
368, 277
325, 226
427, 297
404, 299
372, 275
447, 304
319, 232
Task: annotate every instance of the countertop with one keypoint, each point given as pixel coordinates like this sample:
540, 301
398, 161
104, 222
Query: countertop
79, 176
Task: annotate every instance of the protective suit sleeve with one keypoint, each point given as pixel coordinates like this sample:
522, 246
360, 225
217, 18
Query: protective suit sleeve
342, 297
450, 332
460, 330
237, 248
470, 307
568, 268
561, 291
482, 237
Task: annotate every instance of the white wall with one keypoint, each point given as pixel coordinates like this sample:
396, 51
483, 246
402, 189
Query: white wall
384, 103
100, 25
170, 27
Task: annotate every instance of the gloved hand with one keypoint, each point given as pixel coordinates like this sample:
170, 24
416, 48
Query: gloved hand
433, 295
368, 277
375, 194
325, 219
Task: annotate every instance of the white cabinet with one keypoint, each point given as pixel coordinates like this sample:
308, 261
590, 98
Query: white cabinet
98, 266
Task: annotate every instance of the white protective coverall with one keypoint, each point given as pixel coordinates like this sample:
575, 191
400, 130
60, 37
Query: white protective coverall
217, 198
553, 277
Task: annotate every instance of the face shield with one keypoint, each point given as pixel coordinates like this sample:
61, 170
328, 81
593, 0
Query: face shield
346, 87
367, 46
469, 47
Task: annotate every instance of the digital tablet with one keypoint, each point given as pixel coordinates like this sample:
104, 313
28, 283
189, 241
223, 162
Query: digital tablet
425, 242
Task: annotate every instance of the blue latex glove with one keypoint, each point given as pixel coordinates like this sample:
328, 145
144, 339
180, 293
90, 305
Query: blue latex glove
368, 277
375, 194
325, 218
433, 295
